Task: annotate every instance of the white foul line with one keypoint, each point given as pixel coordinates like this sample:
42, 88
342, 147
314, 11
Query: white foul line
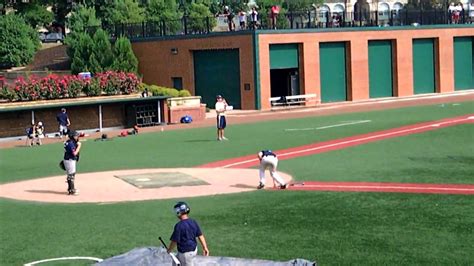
63, 258
331, 126
350, 141
389, 187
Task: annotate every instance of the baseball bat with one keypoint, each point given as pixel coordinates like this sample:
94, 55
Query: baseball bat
173, 257
162, 242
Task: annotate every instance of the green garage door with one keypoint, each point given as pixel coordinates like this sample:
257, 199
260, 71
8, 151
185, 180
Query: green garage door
463, 63
380, 69
283, 56
332, 62
217, 72
423, 66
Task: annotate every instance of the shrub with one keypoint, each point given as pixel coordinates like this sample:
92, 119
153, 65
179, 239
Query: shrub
184, 93
70, 86
171, 92
92, 87
7, 94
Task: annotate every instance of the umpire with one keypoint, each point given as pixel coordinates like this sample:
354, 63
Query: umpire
72, 148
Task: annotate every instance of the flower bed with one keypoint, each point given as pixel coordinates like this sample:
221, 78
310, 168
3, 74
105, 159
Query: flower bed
70, 86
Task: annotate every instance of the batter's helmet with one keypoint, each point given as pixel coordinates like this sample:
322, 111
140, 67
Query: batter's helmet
181, 208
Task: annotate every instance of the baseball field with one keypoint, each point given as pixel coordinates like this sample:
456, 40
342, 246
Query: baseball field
431, 146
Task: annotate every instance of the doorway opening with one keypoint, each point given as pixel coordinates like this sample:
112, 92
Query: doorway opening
284, 82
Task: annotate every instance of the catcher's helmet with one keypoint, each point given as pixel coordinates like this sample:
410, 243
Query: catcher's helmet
73, 134
181, 208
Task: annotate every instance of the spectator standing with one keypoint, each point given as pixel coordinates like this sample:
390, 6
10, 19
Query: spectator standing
221, 106
471, 12
64, 122
253, 18
242, 20
230, 18
274, 11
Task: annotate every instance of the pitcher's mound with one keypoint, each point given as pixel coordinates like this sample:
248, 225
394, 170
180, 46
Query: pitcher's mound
134, 185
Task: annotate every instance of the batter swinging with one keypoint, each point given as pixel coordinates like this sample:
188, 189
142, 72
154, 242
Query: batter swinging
269, 160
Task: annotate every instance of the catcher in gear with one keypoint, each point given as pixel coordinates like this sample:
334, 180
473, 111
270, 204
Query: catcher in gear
72, 148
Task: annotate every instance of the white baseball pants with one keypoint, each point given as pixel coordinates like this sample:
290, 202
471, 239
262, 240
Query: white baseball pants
270, 162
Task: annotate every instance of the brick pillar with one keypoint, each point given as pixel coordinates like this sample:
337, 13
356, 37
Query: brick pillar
265, 86
310, 71
404, 67
358, 88
444, 64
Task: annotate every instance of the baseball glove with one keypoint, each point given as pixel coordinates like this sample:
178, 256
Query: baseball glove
62, 166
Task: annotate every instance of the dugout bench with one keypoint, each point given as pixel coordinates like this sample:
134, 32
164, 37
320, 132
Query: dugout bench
287, 101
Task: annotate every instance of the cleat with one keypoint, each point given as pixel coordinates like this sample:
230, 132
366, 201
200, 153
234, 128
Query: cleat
224, 138
284, 186
260, 186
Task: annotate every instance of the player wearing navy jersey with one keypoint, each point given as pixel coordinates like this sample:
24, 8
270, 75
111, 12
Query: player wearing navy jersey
72, 148
269, 160
184, 236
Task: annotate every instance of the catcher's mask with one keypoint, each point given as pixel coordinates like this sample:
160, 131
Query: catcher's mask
181, 208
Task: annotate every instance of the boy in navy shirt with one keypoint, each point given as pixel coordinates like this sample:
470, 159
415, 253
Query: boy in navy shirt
63, 121
184, 236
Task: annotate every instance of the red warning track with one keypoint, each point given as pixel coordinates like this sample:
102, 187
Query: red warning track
315, 148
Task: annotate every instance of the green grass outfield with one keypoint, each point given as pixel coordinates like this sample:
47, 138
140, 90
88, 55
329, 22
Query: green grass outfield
332, 228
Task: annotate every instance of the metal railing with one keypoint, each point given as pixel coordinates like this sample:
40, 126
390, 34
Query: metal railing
291, 20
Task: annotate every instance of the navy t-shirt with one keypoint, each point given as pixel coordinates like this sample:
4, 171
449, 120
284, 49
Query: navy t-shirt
62, 119
185, 233
70, 147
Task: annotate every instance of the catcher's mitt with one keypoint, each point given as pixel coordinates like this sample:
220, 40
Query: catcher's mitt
62, 166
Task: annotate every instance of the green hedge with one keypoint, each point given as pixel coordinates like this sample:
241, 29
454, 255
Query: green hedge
164, 91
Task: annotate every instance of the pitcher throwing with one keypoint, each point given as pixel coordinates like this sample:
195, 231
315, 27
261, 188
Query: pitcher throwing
269, 160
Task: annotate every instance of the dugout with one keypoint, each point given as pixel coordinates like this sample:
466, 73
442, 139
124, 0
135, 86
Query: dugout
87, 113
336, 64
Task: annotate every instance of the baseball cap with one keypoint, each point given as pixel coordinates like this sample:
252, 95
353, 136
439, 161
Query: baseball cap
219, 96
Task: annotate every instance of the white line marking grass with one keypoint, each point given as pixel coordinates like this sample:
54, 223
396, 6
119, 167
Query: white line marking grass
63, 258
348, 123
342, 143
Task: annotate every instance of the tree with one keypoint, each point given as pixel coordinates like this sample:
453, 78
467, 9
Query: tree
83, 58
37, 15
199, 17
124, 58
102, 50
83, 17
123, 11
164, 11
18, 41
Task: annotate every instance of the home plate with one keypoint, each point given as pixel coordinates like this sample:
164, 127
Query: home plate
471, 117
143, 179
